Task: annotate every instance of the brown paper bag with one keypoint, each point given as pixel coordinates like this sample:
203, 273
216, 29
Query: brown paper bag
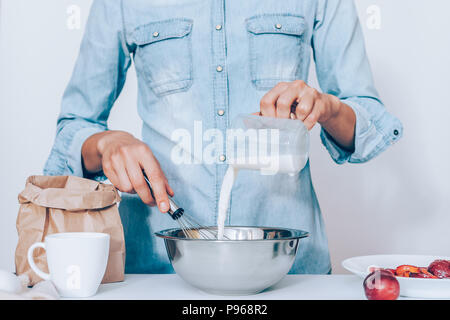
54, 204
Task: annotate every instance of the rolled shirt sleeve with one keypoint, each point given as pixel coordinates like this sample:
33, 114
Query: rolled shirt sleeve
343, 70
96, 82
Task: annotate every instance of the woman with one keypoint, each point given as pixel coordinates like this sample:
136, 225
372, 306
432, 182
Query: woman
209, 61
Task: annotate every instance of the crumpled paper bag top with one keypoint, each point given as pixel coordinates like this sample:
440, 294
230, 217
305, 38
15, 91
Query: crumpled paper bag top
68, 192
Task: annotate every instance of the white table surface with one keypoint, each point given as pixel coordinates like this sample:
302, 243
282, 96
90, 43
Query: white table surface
292, 287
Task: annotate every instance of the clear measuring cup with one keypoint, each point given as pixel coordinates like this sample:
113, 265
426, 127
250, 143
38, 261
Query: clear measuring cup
271, 145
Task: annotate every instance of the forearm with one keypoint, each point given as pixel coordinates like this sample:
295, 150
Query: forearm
341, 125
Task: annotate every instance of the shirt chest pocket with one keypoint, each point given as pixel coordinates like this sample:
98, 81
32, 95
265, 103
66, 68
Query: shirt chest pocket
277, 47
164, 54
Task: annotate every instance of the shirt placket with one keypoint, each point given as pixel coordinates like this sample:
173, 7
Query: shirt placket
220, 85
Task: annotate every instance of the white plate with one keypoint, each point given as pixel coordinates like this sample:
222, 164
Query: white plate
409, 287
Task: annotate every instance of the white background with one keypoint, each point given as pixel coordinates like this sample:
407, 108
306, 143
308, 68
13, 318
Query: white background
397, 203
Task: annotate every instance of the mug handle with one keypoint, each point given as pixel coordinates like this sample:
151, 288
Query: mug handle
33, 266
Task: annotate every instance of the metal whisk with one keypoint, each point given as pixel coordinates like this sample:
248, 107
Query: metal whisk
190, 227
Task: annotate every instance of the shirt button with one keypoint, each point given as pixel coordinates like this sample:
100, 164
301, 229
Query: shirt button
219, 27
155, 34
222, 158
278, 26
396, 132
219, 69
221, 112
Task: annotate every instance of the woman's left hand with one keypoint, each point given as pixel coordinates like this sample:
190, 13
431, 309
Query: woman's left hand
299, 101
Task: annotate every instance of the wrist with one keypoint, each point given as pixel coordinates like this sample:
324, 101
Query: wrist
334, 109
91, 157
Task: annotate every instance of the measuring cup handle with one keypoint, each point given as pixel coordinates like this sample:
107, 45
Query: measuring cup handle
33, 265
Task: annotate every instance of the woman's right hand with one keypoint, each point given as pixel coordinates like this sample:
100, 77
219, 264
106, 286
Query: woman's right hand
122, 158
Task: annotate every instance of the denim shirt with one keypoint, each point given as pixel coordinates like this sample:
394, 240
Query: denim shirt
208, 61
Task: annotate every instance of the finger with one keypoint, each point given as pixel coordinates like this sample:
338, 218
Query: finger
312, 118
268, 101
124, 183
157, 181
159, 192
136, 177
286, 100
109, 172
304, 107
169, 189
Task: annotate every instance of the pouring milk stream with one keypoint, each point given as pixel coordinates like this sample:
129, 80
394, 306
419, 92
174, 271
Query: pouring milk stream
271, 145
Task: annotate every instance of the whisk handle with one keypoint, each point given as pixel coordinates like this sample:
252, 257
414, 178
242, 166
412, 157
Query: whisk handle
174, 211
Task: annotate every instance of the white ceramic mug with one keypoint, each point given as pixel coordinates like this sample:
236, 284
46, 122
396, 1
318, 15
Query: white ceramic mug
76, 261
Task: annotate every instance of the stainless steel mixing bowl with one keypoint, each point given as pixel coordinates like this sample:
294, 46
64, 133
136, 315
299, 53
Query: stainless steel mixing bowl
254, 259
